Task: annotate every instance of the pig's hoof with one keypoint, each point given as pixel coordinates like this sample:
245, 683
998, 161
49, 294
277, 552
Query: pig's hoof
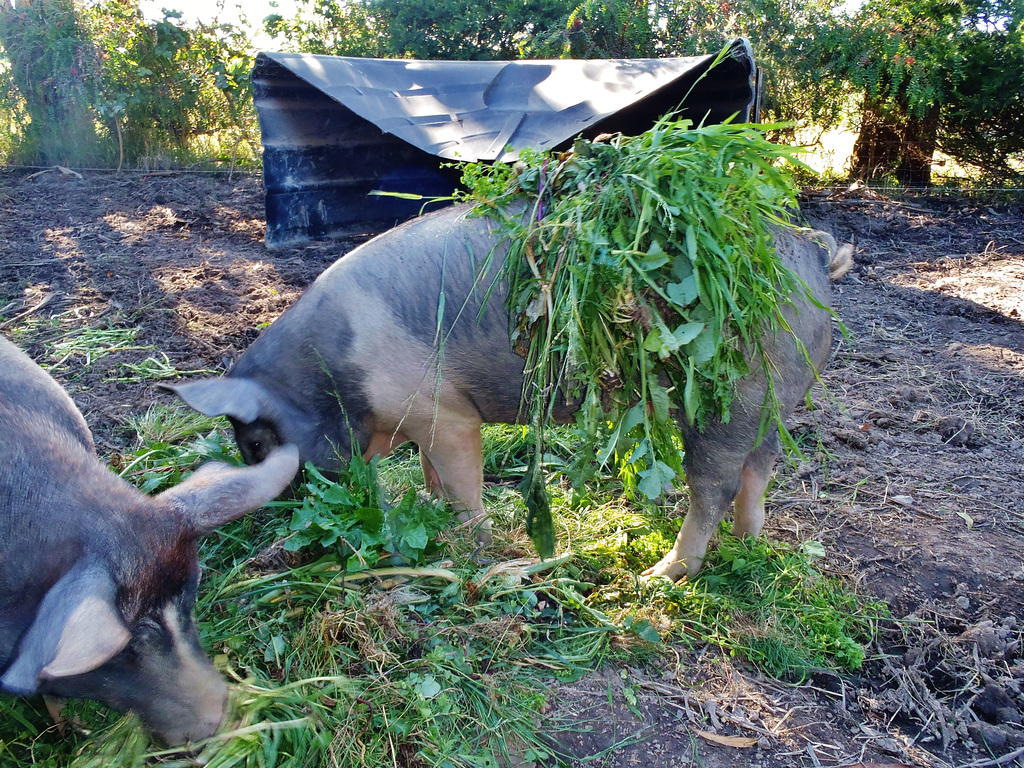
673, 569
480, 525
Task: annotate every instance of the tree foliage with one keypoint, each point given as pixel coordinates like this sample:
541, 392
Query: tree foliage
95, 82
163, 85
933, 73
783, 34
459, 30
981, 111
51, 67
328, 27
101, 85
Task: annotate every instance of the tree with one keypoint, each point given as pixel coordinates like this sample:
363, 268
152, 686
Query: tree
331, 27
924, 74
465, 29
421, 29
602, 29
981, 117
162, 84
933, 73
52, 67
783, 33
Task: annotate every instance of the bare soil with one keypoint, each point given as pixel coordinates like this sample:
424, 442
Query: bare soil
914, 481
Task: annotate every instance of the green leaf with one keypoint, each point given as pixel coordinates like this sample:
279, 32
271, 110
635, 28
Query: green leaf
416, 535
655, 258
687, 332
539, 524
645, 630
690, 402
372, 518
654, 342
276, 649
682, 267
661, 402
683, 293
303, 517
812, 548
336, 494
633, 417
702, 348
428, 688
654, 478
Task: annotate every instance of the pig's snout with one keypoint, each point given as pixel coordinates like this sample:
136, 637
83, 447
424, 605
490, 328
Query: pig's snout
192, 720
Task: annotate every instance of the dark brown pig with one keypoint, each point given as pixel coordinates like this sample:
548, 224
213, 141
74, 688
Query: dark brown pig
98, 580
406, 338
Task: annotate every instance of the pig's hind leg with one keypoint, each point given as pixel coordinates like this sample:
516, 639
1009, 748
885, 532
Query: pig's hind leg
716, 474
748, 507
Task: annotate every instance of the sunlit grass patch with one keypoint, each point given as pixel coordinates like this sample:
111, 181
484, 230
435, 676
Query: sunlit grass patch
170, 424
769, 603
155, 368
162, 457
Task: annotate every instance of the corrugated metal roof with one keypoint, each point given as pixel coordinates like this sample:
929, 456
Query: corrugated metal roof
335, 128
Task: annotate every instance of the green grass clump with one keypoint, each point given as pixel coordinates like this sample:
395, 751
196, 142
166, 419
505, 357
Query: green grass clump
160, 462
757, 599
770, 604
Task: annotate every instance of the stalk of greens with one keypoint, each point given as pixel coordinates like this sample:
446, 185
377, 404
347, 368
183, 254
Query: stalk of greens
642, 275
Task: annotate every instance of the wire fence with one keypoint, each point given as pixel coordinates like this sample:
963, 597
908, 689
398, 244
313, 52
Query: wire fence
942, 186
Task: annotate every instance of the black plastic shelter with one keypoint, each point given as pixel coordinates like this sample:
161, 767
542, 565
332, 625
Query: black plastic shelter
336, 128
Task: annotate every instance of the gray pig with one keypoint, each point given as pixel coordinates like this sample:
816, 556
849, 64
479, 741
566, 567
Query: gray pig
98, 580
399, 340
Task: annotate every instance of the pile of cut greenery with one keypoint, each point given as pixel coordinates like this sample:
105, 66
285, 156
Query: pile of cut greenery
356, 634
642, 274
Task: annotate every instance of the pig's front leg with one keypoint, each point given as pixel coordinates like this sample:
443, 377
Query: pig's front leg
452, 461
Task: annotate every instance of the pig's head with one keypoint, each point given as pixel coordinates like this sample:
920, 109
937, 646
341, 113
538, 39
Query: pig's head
263, 420
117, 626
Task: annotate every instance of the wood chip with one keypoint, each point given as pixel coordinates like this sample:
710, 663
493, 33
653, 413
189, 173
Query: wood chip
740, 742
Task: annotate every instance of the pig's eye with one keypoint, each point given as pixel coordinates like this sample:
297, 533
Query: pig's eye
146, 634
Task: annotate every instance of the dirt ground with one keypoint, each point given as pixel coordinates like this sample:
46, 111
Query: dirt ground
916, 487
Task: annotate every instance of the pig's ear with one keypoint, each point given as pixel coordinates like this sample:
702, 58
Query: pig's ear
216, 493
76, 629
239, 398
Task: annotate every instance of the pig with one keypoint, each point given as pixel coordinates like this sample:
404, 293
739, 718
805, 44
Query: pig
97, 579
407, 338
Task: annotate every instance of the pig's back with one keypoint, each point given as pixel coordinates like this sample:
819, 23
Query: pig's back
436, 280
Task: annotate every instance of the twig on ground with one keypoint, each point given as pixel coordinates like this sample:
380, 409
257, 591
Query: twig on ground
46, 300
996, 760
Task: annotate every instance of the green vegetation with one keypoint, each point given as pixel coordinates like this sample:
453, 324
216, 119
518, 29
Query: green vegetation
643, 274
97, 85
353, 521
439, 655
86, 345
931, 76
